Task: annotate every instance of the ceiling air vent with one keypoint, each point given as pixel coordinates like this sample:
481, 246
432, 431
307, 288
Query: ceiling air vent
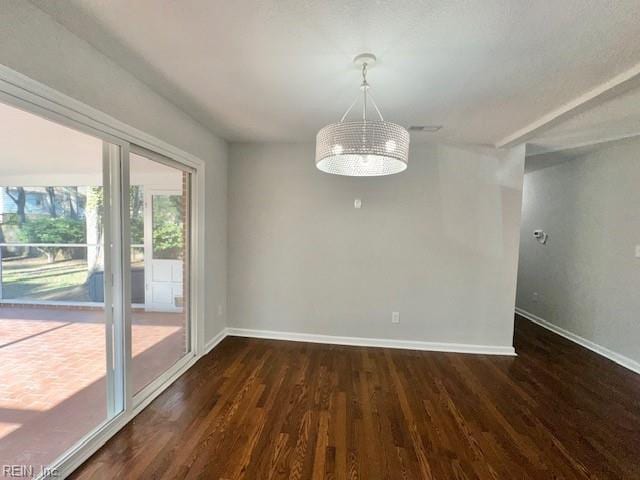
425, 128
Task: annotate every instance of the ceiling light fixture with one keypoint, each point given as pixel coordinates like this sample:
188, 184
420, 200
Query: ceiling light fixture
362, 148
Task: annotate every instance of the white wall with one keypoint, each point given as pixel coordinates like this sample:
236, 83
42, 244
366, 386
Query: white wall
586, 276
438, 243
32, 43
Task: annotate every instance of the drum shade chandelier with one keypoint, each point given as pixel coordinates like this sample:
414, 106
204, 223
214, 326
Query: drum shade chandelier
362, 148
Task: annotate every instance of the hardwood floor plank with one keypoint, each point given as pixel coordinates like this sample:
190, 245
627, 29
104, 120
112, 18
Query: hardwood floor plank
322, 442
260, 409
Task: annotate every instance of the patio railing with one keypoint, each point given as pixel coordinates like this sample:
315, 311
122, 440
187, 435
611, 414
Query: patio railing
60, 273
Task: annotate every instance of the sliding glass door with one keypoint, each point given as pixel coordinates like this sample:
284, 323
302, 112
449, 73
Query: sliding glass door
58, 346
95, 285
160, 206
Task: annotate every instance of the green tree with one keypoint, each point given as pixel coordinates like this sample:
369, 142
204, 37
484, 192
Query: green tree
53, 230
168, 241
168, 227
20, 199
136, 207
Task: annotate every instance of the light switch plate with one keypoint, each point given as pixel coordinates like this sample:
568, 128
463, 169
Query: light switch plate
637, 251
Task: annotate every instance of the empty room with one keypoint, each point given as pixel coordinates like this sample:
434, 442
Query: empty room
276, 239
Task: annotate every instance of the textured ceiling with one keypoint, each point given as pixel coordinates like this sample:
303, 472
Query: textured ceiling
612, 119
279, 70
588, 130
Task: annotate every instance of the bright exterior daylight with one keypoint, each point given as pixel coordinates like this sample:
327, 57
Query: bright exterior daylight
58, 378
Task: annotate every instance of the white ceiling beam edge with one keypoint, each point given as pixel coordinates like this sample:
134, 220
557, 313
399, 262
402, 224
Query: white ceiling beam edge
583, 144
614, 86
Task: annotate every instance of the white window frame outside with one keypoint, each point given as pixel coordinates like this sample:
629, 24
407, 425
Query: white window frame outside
22, 92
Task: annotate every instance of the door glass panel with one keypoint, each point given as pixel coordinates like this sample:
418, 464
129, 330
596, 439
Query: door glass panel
167, 226
160, 227
56, 358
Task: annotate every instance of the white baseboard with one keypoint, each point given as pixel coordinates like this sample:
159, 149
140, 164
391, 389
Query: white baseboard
210, 345
373, 342
594, 347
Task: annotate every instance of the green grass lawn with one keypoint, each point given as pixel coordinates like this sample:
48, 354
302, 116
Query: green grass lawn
35, 279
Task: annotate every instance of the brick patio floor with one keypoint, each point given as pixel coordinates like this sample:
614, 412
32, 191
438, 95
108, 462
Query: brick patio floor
52, 375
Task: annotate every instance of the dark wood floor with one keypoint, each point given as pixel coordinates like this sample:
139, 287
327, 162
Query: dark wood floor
261, 409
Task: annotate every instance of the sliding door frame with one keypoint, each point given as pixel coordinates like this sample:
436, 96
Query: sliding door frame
114, 301
193, 331
29, 95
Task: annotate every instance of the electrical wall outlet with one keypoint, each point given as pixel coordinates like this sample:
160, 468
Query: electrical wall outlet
535, 297
395, 317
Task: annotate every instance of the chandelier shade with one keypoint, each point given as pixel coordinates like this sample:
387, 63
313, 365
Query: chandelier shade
364, 147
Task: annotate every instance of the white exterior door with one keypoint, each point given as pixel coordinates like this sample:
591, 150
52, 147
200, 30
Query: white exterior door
163, 265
